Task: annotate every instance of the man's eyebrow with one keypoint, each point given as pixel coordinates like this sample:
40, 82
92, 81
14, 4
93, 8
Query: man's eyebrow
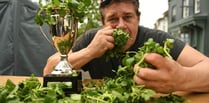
128, 13
111, 15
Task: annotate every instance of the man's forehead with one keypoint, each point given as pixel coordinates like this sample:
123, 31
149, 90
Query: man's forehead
118, 11
114, 14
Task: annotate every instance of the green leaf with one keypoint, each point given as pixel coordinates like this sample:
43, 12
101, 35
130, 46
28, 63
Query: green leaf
56, 3
120, 38
88, 2
62, 12
10, 85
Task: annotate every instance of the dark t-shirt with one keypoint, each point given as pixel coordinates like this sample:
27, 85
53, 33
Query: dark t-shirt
99, 67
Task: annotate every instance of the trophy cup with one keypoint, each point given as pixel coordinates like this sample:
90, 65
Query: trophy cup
64, 36
63, 24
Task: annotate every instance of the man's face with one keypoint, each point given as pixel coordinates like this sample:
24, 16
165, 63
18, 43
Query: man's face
122, 15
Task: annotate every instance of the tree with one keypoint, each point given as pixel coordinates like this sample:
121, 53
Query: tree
92, 19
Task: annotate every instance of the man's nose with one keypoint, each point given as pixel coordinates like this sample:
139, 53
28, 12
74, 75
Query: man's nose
121, 23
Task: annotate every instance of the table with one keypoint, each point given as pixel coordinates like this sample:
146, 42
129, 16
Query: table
193, 97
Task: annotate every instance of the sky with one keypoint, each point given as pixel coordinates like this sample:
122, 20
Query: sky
151, 10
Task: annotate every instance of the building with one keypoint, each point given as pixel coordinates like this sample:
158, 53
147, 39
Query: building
188, 20
162, 23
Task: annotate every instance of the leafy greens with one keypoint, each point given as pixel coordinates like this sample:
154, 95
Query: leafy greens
121, 89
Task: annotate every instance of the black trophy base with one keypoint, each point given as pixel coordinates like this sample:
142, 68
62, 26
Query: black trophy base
75, 81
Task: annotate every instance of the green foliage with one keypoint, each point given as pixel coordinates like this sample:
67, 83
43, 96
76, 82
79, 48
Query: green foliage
31, 91
152, 47
92, 18
171, 98
80, 9
120, 38
87, 10
122, 88
76, 8
64, 46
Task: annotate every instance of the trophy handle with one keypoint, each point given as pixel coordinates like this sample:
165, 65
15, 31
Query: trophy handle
64, 28
44, 34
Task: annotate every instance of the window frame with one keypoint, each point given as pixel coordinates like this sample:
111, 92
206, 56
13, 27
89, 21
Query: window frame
185, 10
173, 13
196, 6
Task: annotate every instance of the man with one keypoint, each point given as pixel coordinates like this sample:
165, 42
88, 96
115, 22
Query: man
188, 72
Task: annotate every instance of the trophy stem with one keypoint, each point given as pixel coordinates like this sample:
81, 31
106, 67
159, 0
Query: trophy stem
63, 67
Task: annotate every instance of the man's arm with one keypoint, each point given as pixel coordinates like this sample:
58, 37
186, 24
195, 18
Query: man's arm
189, 73
196, 67
102, 42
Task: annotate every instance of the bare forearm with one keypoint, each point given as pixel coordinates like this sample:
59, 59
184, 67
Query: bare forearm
80, 58
197, 77
77, 60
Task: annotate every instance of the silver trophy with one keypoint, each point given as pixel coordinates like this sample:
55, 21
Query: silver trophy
63, 26
64, 35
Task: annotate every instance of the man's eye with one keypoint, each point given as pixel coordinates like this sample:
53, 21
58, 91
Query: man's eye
113, 20
127, 17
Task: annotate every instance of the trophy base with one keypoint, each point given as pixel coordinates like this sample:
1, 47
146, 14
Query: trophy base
74, 83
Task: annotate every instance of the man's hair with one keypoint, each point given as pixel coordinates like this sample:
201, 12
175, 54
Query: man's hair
105, 3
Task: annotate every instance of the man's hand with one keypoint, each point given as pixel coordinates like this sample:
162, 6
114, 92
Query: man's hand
51, 63
102, 42
166, 77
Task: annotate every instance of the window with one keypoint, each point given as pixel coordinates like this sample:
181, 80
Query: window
197, 6
185, 37
173, 17
185, 8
